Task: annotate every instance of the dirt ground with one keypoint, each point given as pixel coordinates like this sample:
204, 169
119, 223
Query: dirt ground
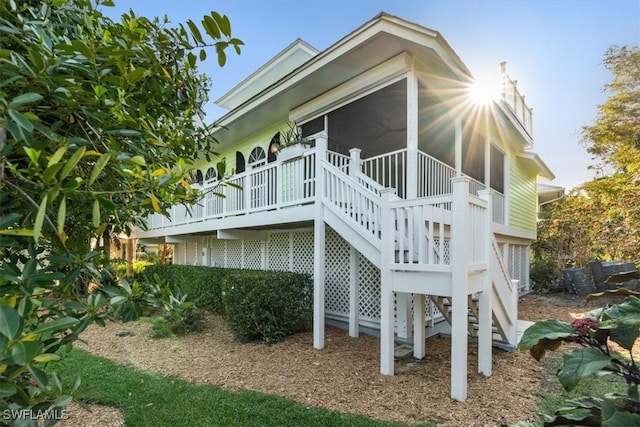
343, 376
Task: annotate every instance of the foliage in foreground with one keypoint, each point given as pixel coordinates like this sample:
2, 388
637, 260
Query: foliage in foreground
97, 131
619, 324
146, 399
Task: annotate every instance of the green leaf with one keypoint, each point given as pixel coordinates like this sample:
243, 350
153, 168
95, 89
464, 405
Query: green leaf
62, 215
550, 329
192, 59
98, 167
72, 162
211, 27
106, 203
50, 172
625, 335
25, 98
57, 156
581, 363
138, 160
195, 32
95, 213
57, 325
37, 225
21, 120
23, 352
39, 376
629, 311
10, 322
9, 220
7, 389
203, 54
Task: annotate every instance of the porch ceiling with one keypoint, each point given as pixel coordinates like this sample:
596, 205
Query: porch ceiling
320, 75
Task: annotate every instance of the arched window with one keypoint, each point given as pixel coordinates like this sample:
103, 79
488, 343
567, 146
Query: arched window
211, 174
274, 146
199, 177
239, 162
257, 158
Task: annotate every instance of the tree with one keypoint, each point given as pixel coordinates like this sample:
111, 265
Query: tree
601, 218
97, 130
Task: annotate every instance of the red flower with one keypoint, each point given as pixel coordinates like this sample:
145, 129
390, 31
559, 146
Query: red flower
584, 325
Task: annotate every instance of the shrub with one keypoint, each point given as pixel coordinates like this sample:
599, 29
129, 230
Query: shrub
202, 284
543, 273
268, 306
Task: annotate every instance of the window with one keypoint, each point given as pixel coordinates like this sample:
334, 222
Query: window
257, 158
497, 169
239, 162
210, 175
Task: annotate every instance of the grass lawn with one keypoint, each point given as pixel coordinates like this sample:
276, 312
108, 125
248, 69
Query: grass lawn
152, 400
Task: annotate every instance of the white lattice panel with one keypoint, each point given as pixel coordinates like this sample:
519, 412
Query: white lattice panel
303, 251
234, 254
369, 290
217, 252
179, 253
252, 254
336, 274
192, 254
517, 264
278, 254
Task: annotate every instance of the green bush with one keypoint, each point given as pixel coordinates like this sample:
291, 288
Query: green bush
202, 284
268, 305
543, 273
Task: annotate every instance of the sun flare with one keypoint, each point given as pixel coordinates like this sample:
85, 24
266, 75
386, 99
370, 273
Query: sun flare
483, 91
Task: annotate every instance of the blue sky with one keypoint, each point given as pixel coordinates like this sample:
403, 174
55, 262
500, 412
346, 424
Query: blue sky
553, 48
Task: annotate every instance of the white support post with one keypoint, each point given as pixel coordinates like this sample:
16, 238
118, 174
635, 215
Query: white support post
247, 191
355, 162
419, 332
412, 136
459, 287
403, 315
319, 238
354, 290
485, 334
386, 287
457, 144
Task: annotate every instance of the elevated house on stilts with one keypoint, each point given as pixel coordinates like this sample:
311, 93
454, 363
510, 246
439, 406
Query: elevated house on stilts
412, 205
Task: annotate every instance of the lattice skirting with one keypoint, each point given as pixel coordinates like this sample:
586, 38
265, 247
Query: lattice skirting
293, 251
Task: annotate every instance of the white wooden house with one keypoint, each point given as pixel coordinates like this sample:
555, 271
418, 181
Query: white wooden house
411, 206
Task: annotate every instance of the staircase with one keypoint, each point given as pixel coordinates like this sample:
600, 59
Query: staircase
365, 215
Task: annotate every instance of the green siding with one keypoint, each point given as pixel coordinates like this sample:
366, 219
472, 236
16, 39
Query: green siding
523, 198
229, 151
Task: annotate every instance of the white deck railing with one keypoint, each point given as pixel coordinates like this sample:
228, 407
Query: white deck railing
282, 184
515, 101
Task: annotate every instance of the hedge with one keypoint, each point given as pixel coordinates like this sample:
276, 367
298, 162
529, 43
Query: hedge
202, 284
268, 305
259, 305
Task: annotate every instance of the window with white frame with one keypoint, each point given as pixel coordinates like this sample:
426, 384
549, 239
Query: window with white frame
257, 158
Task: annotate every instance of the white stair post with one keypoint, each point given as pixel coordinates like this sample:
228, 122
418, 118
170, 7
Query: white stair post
485, 334
419, 332
459, 287
354, 164
386, 286
319, 238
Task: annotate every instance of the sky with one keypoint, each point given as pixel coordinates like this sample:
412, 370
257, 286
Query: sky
553, 48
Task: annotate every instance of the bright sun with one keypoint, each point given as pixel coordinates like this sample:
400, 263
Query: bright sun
485, 90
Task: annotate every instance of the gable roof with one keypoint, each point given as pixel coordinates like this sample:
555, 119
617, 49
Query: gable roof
383, 37
292, 56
